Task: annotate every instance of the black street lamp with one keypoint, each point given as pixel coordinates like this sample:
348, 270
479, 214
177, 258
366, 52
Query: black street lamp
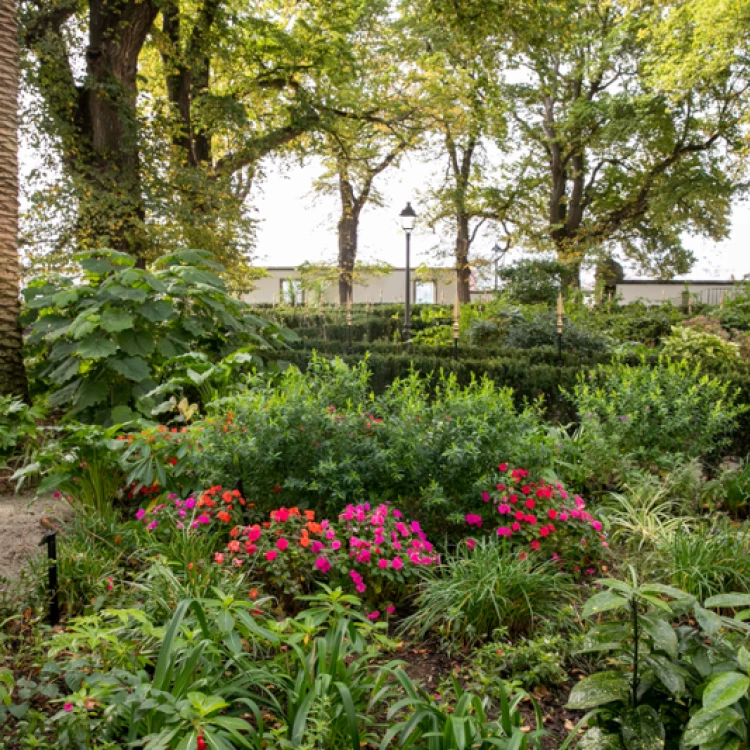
408, 219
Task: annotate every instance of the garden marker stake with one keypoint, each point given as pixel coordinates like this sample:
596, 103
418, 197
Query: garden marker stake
50, 539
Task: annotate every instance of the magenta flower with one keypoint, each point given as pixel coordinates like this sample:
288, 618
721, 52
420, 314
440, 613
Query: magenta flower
474, 520
140, 513
152, 525
373, 615
504, 531
390, 609
397, 563
383, 563
282, 544
322, 565
471, 544
271, 555
485, 496
68, 706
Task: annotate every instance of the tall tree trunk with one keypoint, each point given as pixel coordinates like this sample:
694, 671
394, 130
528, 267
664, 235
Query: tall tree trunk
12, 373
347, 231
463, 270
97, 122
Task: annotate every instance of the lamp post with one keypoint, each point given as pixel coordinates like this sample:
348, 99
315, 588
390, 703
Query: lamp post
560, 316
408, 218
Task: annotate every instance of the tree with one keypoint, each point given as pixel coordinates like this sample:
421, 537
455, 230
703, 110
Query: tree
606, 162
463, 115
12, 373
161, 137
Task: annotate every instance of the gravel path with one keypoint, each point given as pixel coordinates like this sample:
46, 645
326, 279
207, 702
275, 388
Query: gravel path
23, 523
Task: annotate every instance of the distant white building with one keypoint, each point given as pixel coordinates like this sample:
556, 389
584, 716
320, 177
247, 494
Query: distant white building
283, 284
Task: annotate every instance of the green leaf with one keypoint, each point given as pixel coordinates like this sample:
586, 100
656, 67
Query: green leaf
64, 297
707, 726
98, 266
598, 689
709, 621
642, 729
669, 674
68, 369
603, 602
661, 632
133, 368
92, 392
743, 658
97, 346
157, 311
116, 320
136, 344
725, 690
596, 739
734, 601
122, 414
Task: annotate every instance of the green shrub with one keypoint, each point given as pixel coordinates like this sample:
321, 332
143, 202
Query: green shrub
534, 281
477, 591
320, 440
730, 490
97, 343
651, 415
710, 352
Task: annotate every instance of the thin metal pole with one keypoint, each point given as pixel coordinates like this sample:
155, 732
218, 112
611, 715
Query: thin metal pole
407, 297
349, 321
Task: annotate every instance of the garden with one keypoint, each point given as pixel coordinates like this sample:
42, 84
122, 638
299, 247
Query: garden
244, 552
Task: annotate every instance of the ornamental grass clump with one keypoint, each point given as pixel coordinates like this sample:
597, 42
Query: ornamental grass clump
483, 587
539, 516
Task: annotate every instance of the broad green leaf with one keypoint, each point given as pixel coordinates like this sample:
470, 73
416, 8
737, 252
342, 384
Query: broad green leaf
64, 297
133, 368
157, 311
116, 320
597, 739
669, 674
743, 658
709, 621
68, 369
642, 729
603, 602
92, 392
735, 601
98, 266
598, 689
725, 690
706, 726
96, 346
661, 632
122, 415
136, 343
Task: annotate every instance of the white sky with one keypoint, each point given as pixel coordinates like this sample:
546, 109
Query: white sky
295, 224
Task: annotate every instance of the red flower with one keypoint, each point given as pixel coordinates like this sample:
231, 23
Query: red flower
530, 504
531, 520
520, 515
200, 743
552, 513
535, 545
526, 489
544, 531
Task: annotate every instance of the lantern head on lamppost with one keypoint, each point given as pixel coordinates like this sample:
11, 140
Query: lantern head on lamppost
408, 219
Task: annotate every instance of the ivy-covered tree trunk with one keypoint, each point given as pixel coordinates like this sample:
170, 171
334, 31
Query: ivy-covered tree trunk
12, 373
96, 120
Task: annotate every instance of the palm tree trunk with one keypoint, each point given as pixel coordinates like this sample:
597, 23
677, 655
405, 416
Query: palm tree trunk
12, 372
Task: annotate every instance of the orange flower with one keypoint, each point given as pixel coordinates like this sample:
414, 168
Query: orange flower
310, 515
226, 496
304, 539
236, 493
235, 532
294, 511
315, 528
224, 516
253, 593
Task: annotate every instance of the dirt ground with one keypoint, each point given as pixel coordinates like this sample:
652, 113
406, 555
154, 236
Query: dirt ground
23, 523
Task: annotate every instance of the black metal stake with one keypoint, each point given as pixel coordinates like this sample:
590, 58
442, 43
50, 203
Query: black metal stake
50, 539
636, 635
559, 349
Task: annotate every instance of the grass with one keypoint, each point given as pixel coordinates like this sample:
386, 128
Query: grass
474, 593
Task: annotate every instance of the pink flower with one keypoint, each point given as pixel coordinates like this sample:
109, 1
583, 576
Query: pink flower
503, 508
282, 544
531, 520
397, 563
373, 615
504, 531
57, 496
335, 545
503, 467
530, 504
474, 520
564, 516
552, 514
271, 555
516, 526
250, 548
486, 496
597, 525
322, 565
152, 525
140, 513
535, 544
520, 515
316, 547
471, 543
383, 563
203, 518
390, 609
361, 588
415, 526
544, 531
68, 706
